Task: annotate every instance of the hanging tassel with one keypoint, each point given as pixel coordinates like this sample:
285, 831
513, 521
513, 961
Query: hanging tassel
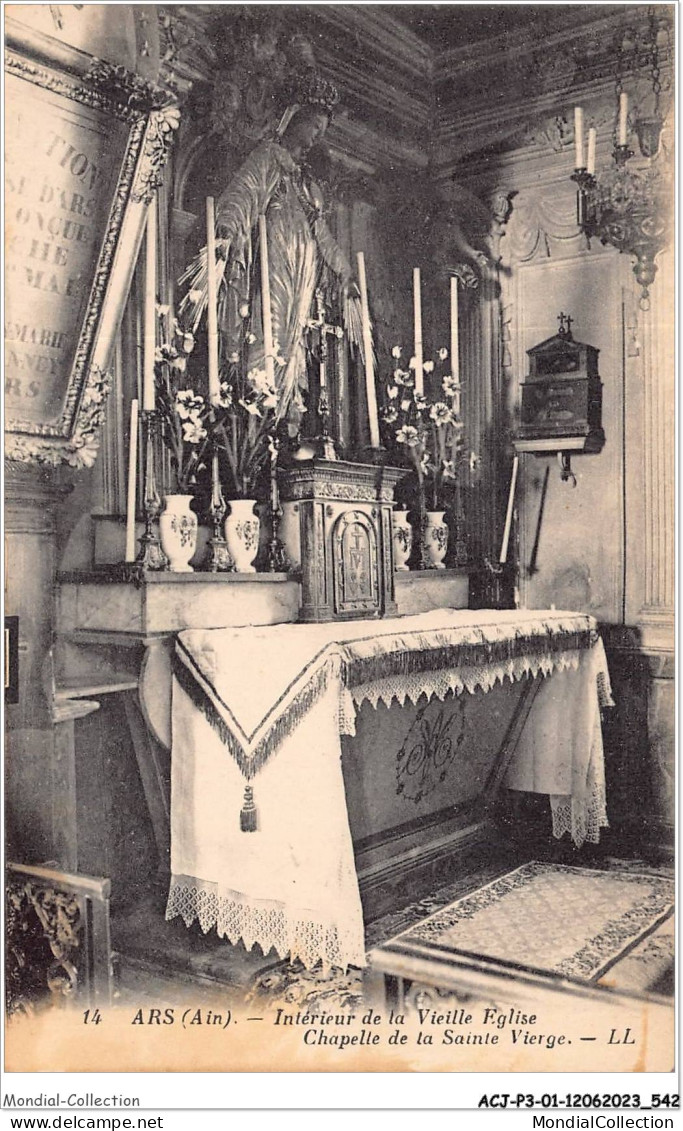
248, 812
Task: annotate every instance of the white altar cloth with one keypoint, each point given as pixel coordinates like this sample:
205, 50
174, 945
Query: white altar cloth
267, 706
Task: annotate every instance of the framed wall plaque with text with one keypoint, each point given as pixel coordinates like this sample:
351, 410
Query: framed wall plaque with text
85, 143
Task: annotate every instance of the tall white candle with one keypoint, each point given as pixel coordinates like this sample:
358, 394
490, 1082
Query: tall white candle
216, 499
323, 375
150, 317
417, 314
623, 118
455, 362
370, 390
508, 516
455, 400
265, 300
212, 302
578, 137
274, 492
592, 141
132, 481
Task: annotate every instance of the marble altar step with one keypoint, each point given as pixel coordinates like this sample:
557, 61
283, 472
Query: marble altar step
165, 963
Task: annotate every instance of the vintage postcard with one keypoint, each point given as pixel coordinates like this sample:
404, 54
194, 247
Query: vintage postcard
339, 528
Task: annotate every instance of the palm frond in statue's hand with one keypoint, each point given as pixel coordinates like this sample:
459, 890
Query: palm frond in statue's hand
194, 280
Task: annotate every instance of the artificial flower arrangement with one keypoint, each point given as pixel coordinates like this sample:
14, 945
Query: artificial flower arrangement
241, 424
183, 412
430, 434
252, 409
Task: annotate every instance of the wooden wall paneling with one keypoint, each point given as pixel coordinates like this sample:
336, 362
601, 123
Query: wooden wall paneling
656, 527
660, 821
116, 838
658, 374
634, 449
153, 766
479, 347
575, 559
605, 546
64, 783
32, 495
580, 554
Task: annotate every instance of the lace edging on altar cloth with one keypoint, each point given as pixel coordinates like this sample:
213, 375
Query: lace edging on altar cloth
439, 684
582, 819
289, 931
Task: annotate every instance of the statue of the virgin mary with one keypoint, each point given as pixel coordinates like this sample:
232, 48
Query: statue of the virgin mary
275, 182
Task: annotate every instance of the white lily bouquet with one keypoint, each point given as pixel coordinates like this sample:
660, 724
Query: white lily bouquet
250, 412
430, 434
184, 413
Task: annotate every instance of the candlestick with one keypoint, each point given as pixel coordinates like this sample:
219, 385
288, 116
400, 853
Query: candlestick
150, 318
274, 492
508, 516
460, 553
623, 118
592, 142
269, 363
219, 559
277, 557
578, 137
212, 302
417, 315
150, 556
423, 556
132, 481
455, 359
371, 392
342, 398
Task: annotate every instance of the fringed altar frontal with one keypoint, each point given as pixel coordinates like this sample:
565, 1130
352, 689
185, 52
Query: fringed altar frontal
257, 718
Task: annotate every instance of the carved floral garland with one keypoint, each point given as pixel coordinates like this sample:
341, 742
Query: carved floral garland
84, 443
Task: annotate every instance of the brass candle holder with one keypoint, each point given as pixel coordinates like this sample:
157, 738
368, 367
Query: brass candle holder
423, 560
219, 558
325, 442
277, 561
151, 556
626, 208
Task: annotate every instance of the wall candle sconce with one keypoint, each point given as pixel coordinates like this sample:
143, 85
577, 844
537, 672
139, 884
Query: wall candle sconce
624, 206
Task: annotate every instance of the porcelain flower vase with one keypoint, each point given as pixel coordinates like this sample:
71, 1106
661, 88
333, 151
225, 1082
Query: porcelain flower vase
242, 529
178, 532
436, 539
403, 539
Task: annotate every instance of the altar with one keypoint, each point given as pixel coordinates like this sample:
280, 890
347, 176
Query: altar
299, 751
290, 438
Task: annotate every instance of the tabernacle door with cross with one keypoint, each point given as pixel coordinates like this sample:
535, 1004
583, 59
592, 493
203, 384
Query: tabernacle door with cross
356, 572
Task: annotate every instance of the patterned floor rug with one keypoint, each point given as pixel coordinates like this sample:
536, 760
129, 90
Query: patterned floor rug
612, 925
572, 921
